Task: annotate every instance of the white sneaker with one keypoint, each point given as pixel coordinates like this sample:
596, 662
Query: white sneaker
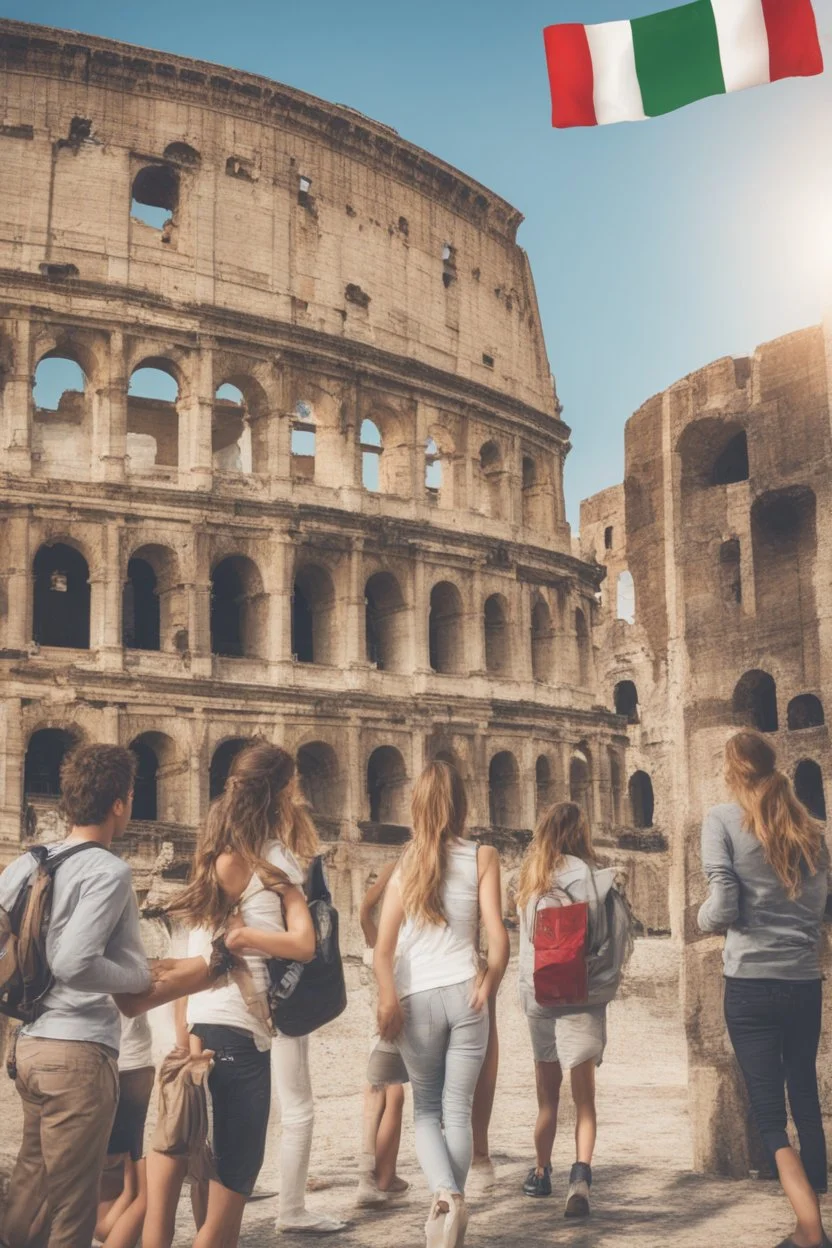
307, 1223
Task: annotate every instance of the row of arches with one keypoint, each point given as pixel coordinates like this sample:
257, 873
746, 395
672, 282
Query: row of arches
161, 777
239, 615
754, 703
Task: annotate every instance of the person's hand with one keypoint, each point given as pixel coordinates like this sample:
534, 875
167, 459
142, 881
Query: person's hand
481, 993
160, 968
390, 1019
234, 936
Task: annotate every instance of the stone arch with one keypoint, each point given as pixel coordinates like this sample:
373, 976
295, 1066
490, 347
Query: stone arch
445, 629
784, 546
713, 452
153, 394
303, 441
491, 472
45, 752
239, 609
640, 789
222, 758
535, 494
61, 597
754, 701
544, 784
321, 779
808, 784
497, 635
804, 711
159, 792
385, 437
625, 699
615, 787
231, 442
543, 641
387, 786
504, 803
386, 623
314, 615
149, 598
63, 399
155, 197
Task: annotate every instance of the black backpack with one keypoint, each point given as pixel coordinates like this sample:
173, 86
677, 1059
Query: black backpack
304, 996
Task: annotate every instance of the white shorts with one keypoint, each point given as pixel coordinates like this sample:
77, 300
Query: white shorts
571, 1039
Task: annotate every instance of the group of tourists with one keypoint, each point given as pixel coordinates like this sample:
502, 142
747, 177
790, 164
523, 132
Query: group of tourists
439, 949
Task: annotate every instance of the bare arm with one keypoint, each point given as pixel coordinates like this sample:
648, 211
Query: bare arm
172, 978
392, 916
491, 911
372, 897
296, 943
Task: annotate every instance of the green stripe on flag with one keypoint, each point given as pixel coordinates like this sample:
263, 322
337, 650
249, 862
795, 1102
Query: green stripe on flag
677, 57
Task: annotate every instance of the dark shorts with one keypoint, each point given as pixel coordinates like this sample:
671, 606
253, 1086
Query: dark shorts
240, 1085
134, 1090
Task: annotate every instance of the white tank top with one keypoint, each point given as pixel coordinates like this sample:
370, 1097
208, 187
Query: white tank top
224, 1005
436, 955
136, 1051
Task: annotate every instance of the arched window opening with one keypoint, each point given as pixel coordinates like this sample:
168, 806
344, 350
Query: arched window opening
583, 643
387, 786
141, 612
372, 449
303, 441
445, 628
491, 469
59, 387
231, 446
626, 700
608, 537
625, 598
145, 795
386, 623
155, 197
641, 799
804, 711
542, 641
433, 468
152, 418
497, 641
755, 701
320, 779
44, 756
531, 499
62, 428
730, 572
615, 788
61, 615
784, 546
221, 761
313, 616
731, 465
544, 785
808, 784
183, 154
160, 791
238, 609
504, 791
580, 781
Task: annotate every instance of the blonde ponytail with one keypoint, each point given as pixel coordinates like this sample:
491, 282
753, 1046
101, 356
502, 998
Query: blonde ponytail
562, 829
439, 809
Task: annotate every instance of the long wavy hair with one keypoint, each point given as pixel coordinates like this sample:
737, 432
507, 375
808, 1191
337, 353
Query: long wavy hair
792, 840
260, 802
438, 809
562, 829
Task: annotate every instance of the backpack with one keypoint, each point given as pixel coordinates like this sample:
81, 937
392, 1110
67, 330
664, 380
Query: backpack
25, 977
561, 945
304, 996
612, 951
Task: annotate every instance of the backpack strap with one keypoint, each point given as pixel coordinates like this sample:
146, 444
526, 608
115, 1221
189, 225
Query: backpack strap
52, 863
317, 888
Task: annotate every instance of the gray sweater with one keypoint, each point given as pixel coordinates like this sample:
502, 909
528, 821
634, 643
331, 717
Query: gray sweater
93, 944
768, 935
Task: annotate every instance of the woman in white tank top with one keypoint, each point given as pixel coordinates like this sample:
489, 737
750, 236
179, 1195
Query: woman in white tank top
429, 997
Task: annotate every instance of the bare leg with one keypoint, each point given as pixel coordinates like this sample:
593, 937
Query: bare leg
486, 1087
224, 1216
389, 1135
375, 1099
117, 1189
802, 1197
549, 1077
583, 1094
165, 1176
127, 1230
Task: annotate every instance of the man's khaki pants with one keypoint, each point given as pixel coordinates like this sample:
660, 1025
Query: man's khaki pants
69, 1090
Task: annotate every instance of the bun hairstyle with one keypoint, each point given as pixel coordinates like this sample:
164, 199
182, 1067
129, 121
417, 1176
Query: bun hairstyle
792, 840
260, 802
439, 808
562, 829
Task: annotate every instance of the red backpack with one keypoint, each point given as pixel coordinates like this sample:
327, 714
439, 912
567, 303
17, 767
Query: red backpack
561, 944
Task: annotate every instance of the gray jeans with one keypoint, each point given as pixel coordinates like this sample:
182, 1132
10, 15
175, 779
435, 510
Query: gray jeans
443, 1044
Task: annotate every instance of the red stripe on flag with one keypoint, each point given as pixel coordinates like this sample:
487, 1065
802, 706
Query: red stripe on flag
570, 75
793, 47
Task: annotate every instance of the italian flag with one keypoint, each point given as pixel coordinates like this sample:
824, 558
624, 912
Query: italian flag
628, 71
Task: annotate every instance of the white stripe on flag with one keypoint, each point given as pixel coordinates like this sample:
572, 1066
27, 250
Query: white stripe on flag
743, 43
617, 94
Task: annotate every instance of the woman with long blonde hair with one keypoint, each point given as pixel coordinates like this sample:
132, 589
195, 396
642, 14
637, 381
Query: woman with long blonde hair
560, 865
430, 1000
246, 885
766, 862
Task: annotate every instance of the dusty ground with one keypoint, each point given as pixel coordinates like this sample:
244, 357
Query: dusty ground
644, 1192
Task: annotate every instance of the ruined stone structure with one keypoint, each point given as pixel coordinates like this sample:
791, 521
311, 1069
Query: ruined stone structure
307, 481
723, 527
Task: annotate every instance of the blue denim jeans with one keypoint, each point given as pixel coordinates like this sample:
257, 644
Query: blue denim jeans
443, 1044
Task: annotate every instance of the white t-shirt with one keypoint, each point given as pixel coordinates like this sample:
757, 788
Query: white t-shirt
136, 1050
224, 1005
436, 955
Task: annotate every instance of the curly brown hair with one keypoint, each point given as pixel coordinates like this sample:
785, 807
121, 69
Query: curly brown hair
93, 778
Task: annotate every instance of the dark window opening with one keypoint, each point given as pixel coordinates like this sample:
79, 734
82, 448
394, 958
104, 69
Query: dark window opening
608, 537
529, 472
641, 799
805, 711
731, 465
626, 700
303, 627
145, 798
583, 641
141, 612
319, 777
504, 791
497, 642
488, 360
730, 573
387, 786
543, 785
448, 264
445, 628
385, 622
221, 761
61, 598
542, 641
808, 784
236, 602
155, 196
42, 767
313, 616
755, 701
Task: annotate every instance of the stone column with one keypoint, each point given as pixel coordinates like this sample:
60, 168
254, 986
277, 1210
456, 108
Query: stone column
521, 632
473, 624
18, 404
528, 782
279, 647
420, 613
19, 584
197, 586
109, 431
12, 754
106, 606
196, 413
355, 783
354, 650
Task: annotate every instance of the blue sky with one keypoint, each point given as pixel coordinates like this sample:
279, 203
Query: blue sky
655, 246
